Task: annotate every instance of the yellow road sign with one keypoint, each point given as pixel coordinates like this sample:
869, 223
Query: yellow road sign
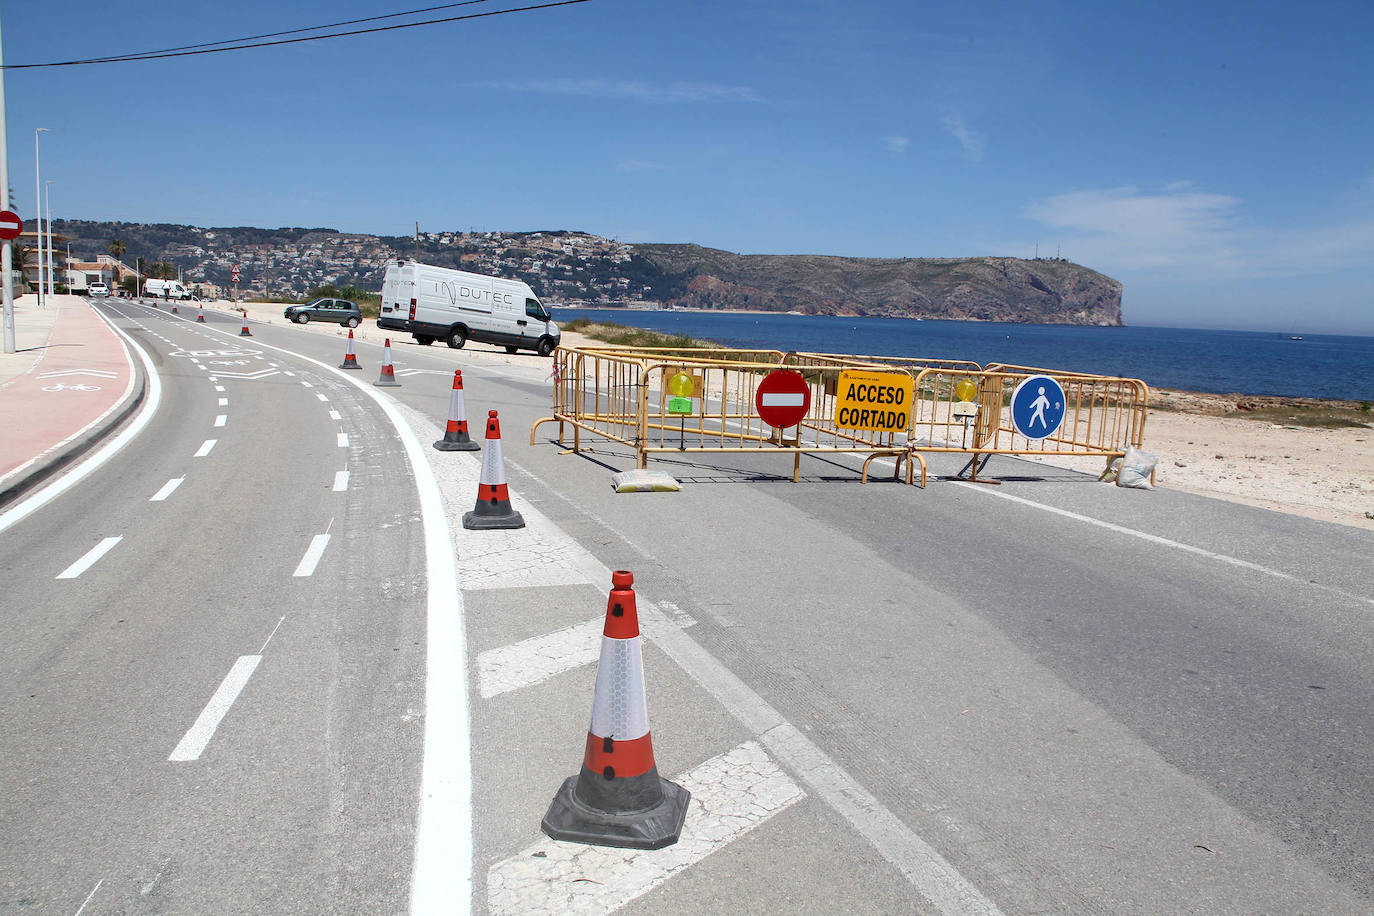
876, 401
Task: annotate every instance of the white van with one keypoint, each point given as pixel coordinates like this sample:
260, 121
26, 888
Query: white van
435, 303
166, 289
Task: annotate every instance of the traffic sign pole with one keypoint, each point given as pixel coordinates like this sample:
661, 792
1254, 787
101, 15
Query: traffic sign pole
6, 256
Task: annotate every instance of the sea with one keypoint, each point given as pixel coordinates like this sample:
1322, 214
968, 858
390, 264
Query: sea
1189, 359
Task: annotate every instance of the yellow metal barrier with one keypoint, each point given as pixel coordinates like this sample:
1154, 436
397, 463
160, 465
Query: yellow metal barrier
623, 395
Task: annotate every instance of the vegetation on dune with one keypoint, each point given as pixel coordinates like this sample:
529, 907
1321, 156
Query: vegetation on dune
622, 336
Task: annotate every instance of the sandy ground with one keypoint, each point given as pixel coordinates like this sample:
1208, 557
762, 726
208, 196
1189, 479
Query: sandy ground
1325, 474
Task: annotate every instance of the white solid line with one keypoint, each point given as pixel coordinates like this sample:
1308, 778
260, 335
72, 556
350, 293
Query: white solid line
270, 635
530, 661
340, 481
78, 473
221, 419
334, 415
199, 734
86, 562
166, 490
224, 402
205, 448
1162, 541
82, 908
312, 555
343, 440
731, 795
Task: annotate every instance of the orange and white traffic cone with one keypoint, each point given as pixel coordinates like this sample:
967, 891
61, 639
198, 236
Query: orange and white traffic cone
493, 509
388, 377
174, 309
350, 358
618, 798
245, 332
200, 319
456, 438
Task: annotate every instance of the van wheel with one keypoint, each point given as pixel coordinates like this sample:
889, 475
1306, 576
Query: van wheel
512, 349
457, 337
352, 322
423, 341
546, 346
302, 318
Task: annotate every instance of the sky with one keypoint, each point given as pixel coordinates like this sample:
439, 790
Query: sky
1216, 158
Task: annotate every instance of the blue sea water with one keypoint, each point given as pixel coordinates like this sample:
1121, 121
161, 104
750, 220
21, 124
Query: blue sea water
1222, 362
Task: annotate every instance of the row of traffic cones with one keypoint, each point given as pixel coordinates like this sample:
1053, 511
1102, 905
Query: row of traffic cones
617, 798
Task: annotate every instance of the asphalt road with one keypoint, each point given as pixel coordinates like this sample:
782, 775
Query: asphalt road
1051, 695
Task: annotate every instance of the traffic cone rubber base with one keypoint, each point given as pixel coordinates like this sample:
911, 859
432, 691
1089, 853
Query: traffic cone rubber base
200, 319
579, 812
457, 442
486, 517
350, 362
387, 379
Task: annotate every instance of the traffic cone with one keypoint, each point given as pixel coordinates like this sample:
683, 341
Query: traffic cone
350, 358
388, 377
174, 309
493, 509
245, 332
456, 438
618, 798
200, 319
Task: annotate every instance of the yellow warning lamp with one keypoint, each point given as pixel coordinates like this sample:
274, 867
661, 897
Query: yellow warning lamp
965, 392
681, 385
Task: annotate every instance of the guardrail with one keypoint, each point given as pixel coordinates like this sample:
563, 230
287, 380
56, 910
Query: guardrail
670, 400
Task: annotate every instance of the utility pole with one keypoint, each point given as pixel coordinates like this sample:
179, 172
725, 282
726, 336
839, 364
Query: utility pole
38, 215
7, 256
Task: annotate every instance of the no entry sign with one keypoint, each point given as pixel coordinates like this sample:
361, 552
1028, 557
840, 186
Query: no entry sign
10, 225
782, 398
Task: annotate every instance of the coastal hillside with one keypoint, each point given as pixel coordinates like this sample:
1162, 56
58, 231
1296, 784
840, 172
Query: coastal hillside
579, 269
1041, 291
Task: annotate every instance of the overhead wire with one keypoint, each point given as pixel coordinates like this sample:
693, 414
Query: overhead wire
192, 50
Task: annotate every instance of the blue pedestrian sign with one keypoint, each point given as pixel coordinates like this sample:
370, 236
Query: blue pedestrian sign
1037, 407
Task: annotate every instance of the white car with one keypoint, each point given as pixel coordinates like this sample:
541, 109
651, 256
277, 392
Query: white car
98, 289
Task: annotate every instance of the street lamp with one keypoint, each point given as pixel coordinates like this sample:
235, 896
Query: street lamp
47, 207
38, 205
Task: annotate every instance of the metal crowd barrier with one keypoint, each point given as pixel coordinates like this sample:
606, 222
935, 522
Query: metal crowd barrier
623, 395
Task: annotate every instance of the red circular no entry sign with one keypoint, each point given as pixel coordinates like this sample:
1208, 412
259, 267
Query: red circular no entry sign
10, 225
782, 398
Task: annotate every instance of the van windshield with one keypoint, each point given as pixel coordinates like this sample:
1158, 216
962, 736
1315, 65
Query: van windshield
534, 310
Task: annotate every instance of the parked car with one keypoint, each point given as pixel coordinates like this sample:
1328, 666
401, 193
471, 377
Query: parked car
98, 289
340, 311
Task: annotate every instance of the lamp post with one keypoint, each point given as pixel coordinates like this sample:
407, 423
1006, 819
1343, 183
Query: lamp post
47, 208
7, 254
38, 205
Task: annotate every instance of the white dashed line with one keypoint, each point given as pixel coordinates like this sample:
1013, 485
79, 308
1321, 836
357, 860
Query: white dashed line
205, 448
340, 481
321, 397
343, 440
312, 556
221, 419
89, 560
166, 490
199, 735
334, 415
224, 402
304, 382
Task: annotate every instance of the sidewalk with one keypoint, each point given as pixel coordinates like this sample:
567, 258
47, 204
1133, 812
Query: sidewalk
70, 383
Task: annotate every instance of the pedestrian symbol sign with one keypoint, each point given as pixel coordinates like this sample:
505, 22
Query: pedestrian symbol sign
1037, 407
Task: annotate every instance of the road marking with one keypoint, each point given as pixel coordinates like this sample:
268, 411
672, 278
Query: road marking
312, 556
340, 481
343, 440
218, 387
223, 402
87, 561
199, 734
221, 419
1165, 542
530, 661
166, 490
203, 368
205, 448
291, 374
731, 795
334, 415
82, 908
305, 383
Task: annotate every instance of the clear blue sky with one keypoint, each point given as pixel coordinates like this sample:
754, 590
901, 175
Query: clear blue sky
1217, 158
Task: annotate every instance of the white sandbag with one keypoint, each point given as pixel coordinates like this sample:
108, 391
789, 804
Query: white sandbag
1136, 469
642, 480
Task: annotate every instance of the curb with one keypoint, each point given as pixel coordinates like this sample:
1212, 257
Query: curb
49, 464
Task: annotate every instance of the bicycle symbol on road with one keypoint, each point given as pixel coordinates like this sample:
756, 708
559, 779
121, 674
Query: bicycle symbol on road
77, 387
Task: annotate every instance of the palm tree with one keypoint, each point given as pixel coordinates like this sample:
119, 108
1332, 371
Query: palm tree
117, 248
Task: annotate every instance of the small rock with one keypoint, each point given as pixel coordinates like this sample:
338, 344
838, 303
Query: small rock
1218, 457
1179, 464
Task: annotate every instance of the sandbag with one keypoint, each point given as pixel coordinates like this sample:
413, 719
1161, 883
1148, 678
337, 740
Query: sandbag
642, 480
1136, 469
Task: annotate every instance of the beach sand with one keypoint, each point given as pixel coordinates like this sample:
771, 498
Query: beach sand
1324, 474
